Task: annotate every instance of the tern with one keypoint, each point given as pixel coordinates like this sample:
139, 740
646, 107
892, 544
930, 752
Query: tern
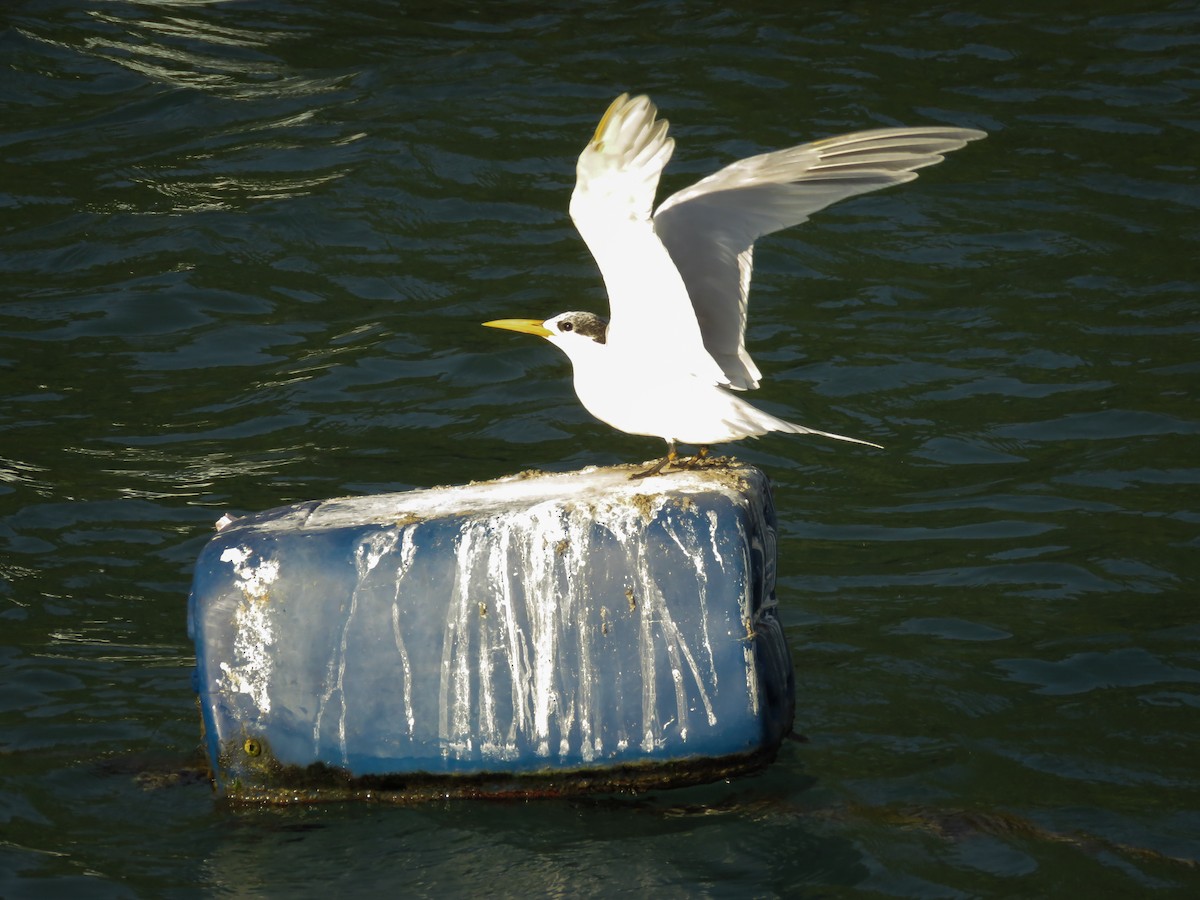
672, 355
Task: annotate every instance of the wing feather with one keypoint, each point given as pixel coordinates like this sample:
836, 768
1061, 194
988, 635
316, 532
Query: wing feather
652, 317
710, 228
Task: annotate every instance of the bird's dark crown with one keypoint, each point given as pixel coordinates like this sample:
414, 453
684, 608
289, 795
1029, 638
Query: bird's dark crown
584, 323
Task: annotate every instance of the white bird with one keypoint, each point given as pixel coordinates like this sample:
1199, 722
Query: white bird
678, 281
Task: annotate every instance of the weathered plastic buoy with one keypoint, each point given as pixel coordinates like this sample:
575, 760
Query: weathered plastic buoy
543, 633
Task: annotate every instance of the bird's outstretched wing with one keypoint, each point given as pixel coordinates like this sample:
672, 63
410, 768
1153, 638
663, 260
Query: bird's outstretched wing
710, 228
616, 178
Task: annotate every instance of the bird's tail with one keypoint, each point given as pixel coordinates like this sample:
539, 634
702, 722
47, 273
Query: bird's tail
756, 422
793, 428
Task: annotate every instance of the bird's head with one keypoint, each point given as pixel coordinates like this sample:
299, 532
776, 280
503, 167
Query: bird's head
570, 331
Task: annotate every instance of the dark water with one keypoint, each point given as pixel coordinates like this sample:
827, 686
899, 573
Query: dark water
245, 249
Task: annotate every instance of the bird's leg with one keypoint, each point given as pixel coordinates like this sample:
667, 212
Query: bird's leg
694, 462
667, 460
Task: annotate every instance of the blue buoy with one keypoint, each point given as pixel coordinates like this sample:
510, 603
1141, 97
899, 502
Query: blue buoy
543, 633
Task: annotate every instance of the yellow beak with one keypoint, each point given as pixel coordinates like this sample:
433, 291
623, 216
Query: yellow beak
526, 326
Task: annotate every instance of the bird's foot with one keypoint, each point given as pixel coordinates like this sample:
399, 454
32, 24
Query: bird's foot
656, 468
703, 461
668, 460
688, 463
695, 462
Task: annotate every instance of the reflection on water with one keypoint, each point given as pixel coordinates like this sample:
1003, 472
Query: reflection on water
246, 248
214, 118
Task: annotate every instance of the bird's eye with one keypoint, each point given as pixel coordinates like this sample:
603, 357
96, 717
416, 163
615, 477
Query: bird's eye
566, 326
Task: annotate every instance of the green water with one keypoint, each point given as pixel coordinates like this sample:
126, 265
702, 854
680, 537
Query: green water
245, 249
